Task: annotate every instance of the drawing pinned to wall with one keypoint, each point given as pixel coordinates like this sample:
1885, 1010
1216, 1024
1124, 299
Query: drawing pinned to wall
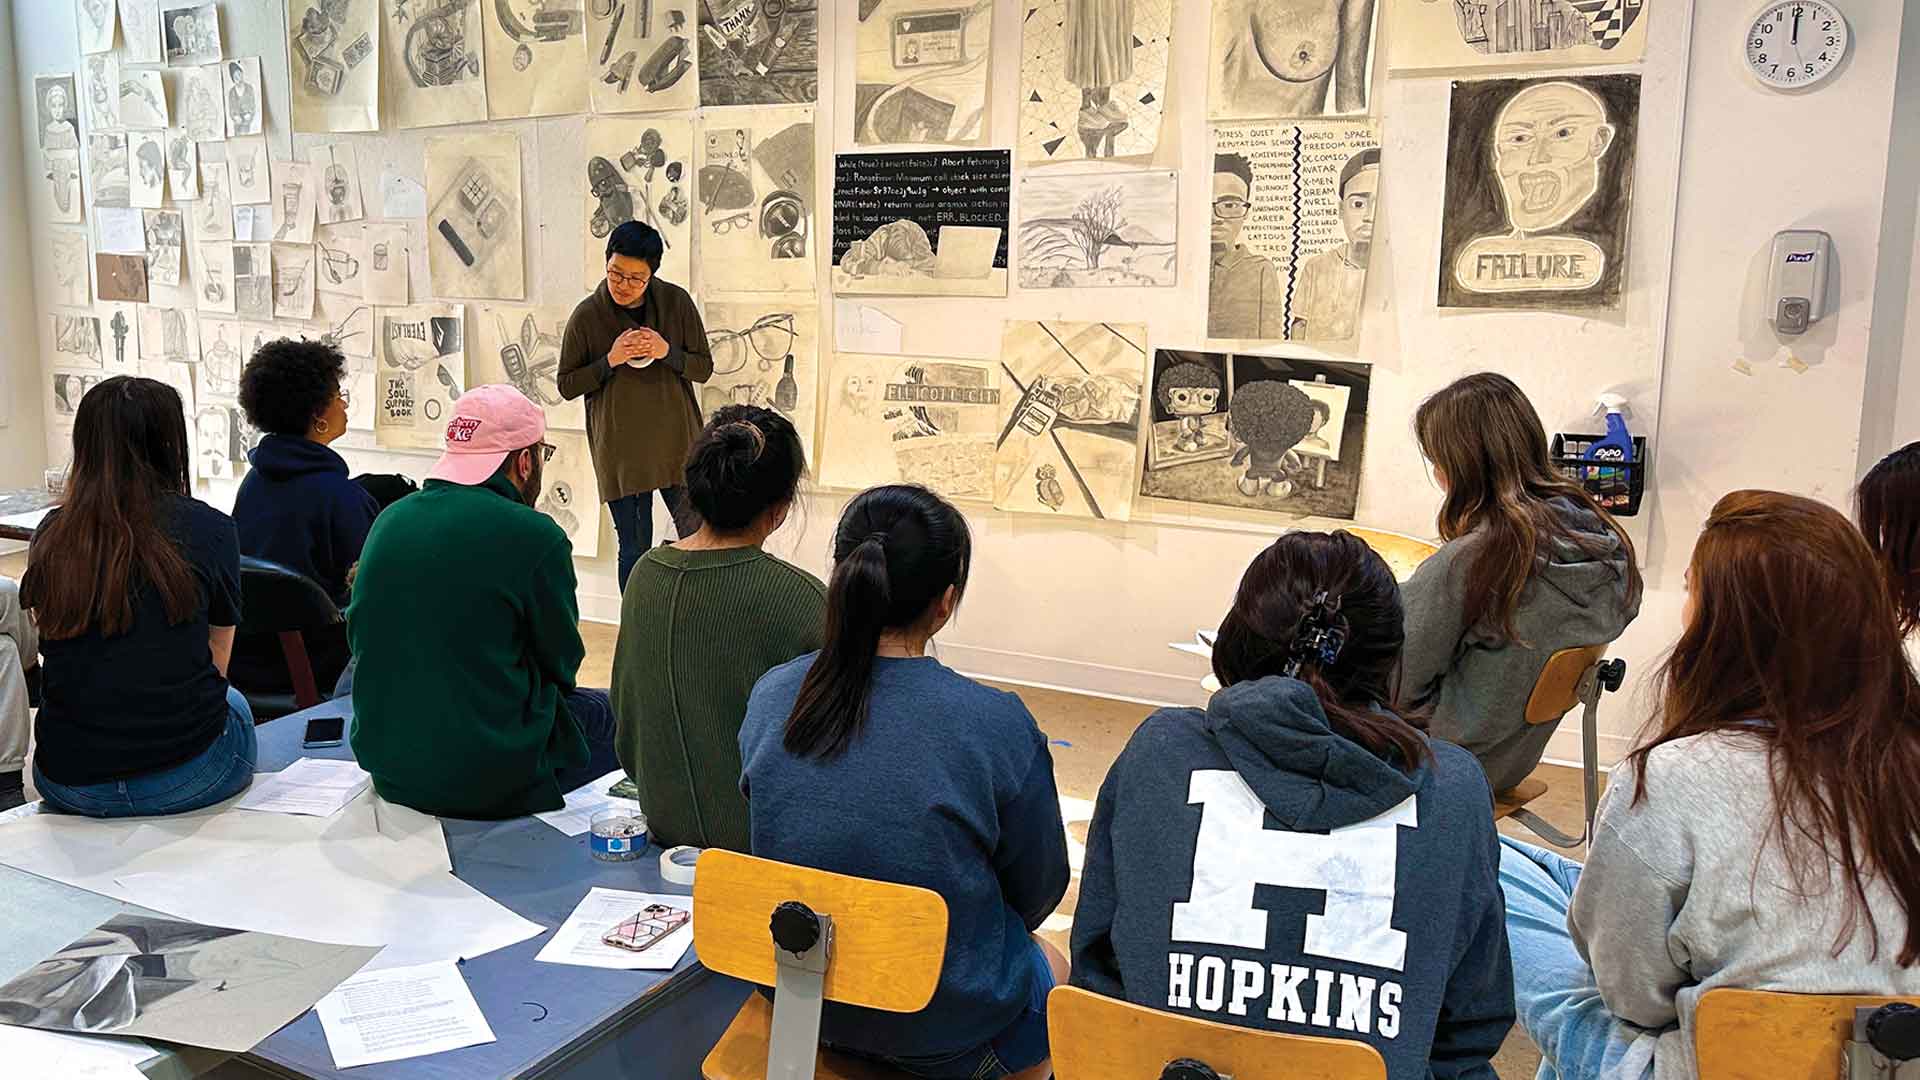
347, 325
756, 194
96, 19
249, 171
765, 353
119, 230
68, 388
146, 168
755, 53
203, 116
240, 91
220, 442
253, 281
213, 278
293, 201
1069, 418
932, 224
1516, 33
190, 34
639, 170
1539, 193
71, 268
422, 372
520, 346
1276, 434
119, 338
76, 341
223, 352
213, 214
336, 81
568, 494
1291, 230
920, 72
910, 420
168, 335
336, 169
384, 280
1093, 76
433, 63
101, 82
59, 134
474, 242
642, 55
1285, 58
293, 285
535, 52
143, 98
340, 257
166, 245
140, 31
107, 169
1089, 229
183, 165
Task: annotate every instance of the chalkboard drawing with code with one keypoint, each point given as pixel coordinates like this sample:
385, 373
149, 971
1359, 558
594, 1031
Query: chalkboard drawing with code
931, 224
756, 52
910, 420
639, 169
1070, 410
1291, 231
765, 353
1516, 33
755, 194
1264, 433
1539, 193
1094, 229
1093, 77
920, 71
1287, 58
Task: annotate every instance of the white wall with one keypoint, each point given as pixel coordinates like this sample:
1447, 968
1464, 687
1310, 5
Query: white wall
22, 452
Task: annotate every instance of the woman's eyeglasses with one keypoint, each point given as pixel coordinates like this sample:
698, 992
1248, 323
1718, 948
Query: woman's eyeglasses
628, 281
770, 338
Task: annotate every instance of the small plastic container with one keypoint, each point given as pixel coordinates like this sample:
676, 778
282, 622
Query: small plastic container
618, 835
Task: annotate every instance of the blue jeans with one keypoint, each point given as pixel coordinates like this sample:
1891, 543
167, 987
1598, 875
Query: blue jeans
221, 771
1554, 991
593, 711
633, 523
1021, 1045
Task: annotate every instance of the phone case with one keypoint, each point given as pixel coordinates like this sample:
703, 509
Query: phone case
638, 932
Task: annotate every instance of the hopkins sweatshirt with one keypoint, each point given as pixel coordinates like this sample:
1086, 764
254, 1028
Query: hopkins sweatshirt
1478, 684
1250, 866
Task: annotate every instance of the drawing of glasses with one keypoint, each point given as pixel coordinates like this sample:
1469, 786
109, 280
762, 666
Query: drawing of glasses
771, 338
1230, 206
339, 266
725, 225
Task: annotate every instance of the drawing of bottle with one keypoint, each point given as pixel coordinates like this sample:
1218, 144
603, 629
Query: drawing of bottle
786, 394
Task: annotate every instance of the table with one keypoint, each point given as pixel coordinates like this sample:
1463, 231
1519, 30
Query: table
24, 501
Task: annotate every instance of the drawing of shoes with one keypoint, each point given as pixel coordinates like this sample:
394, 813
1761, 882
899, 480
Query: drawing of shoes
1093, 129
1114, 114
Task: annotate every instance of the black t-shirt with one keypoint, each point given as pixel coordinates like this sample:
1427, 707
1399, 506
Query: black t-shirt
149, 698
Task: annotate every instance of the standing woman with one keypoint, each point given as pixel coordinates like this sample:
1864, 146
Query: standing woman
871, 758
1531, 565
1888, 507
1765, 835
136, 589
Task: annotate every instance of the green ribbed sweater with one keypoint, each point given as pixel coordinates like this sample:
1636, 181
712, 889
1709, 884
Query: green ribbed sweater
697, 630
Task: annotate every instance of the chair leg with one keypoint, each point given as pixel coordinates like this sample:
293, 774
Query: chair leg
1589, 692
293, 645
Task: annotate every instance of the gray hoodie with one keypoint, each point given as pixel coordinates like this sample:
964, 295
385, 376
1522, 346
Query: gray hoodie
1478, 685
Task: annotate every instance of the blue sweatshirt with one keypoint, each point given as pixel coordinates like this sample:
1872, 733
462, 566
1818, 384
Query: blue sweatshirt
1248, 865
949, 786
298, 508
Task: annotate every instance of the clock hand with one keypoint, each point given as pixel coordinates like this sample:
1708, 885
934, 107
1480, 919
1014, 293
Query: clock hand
1796, 27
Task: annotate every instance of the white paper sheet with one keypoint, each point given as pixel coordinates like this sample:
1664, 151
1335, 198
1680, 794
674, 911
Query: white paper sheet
315, 786
585, 801
31, 520
401, 1012
28, 1052
121, 231
578, 939
402, 196
858, 328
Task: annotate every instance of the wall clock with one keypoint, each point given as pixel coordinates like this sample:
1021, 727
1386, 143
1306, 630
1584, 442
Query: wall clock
1792, 44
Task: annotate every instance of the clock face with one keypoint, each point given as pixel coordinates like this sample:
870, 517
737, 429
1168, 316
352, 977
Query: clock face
1795, 43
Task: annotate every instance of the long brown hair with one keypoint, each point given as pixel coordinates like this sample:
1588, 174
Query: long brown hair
1792, 641
1281, 588
1888, 507
1484, 435
108, 540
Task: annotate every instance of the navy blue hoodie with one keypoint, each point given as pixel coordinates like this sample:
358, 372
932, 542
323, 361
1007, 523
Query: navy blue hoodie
299, 508
1248, 865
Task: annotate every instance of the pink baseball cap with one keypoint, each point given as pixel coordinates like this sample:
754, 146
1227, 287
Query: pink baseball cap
489, 422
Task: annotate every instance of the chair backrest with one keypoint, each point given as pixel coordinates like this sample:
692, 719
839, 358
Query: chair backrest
1767, 1035
889, 941
1403, 553
1102, 1038
276, 598
386, 488
1557, 690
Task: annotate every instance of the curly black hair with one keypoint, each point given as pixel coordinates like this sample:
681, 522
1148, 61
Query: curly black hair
1271, 416
1185, 375
289, 383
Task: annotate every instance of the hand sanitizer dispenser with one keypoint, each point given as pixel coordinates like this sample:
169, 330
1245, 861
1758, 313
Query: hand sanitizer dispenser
1797, 279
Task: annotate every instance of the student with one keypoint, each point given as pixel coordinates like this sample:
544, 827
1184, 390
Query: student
1531, 565
466, 632
1370, 847
1888, 506
873, 759
297, 507
1764, 836
135, 588
702, 620
19, 654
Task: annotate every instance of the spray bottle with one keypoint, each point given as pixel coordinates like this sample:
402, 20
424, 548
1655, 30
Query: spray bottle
1610, 486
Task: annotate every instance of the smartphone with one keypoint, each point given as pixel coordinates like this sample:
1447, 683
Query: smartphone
323, 731
638, 932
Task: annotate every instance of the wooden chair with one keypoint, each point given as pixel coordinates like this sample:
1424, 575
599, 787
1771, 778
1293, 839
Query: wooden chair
1571, 677
279, 604
1403, 553
817, 937
1102, 1038
1766, 1035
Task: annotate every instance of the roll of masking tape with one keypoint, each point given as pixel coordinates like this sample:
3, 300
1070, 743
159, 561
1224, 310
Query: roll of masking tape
677, 864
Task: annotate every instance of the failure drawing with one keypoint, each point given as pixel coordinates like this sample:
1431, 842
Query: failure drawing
434, 66
756, 195
520, 346
240, 85
1069, 418
931, 224
340, 257
639, 170
248, 170
147, 168
568, 494
253, 281
1267, 433
1088, 229
72, 268
223, 352
166, 245
190, 34
1539, 193
337, 175
96, 25
119, 338
920, 72
475, 245
68, 388
59, 134
1292, 229
641, 55
213, 215
293, 284
756, 53
765, 353
293, 199
384, 281
102, 86
213, 278
422, 372
535, 52
167, 336
336, 82
1285, 58
202, 115
140, 30
183, 166
1093, 77
107, 169
1516, 33
76, 341
143, 99
910, 420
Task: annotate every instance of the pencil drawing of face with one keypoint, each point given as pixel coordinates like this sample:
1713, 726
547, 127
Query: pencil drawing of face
1356, 205
1232, 188
1547, 146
